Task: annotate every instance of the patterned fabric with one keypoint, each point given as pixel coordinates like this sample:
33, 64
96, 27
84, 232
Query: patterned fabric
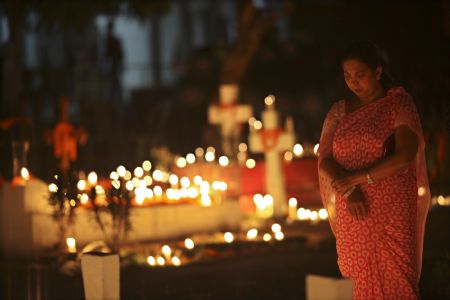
382, 254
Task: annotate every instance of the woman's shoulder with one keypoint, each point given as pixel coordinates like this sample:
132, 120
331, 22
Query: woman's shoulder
399, 95
400, 100
338, 108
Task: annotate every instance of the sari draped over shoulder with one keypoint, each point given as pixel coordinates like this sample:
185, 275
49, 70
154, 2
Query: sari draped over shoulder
383, 253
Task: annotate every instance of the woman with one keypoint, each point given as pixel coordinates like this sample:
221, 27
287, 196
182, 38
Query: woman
373, 180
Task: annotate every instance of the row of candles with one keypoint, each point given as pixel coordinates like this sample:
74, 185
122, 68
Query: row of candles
147, 185
167, 255
200, 155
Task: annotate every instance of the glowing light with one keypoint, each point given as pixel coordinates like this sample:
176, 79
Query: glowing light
136, 182
99, 190
189, 244
185, 182
166, 251
316, 148
216, 185
279, 236
140, 196
288, 156
313, 216
148, 180
121, 171
421, 191
113, 175
138, 172
243, 147
198, 180
441, 200
269, 100
72, 202
181, 162
204, 188
127, 175
192, 193
53, 188
92, 178
292, 202
190, 158
147, 165
223, 186
151, 261
258, 125
183, 192
268, 200
224, 161
24, 173
129, 185
276, 228
71, 245
157, 190
250, 163
172, 194
81, 185
148, 193
252, 234
199, 152
173, 179
228, 237
176, 261
116, 184
323, 214
211, 149
205, 200
209, 156
303, 214
258, 199
267, 237
157, 175
84, 199
161, 261
298, 150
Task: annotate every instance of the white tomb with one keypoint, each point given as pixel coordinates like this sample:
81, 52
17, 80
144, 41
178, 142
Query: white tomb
27, 227
229, 115
272, 140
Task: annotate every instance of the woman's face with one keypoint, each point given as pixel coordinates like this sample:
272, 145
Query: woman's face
361, 79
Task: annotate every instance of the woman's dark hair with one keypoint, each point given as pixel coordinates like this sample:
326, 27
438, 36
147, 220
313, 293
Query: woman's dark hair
372, 56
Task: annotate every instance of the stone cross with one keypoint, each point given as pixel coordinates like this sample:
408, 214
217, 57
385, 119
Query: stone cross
272, 140
229, 115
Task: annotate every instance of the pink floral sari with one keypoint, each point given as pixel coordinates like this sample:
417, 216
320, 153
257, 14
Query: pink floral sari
383, 253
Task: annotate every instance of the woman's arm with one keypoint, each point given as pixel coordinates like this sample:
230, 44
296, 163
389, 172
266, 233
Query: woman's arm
356, 203
331, 169
406, 146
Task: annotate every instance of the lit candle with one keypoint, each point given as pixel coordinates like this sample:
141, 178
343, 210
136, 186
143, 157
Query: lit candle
71, 245
189, 244
92, 178
25, 174
228, 237
167, 252
292, 213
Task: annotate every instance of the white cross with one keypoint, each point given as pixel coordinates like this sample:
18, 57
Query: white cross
272, 140
229, 115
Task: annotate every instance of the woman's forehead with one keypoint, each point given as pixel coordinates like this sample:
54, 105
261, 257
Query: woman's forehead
354, 65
